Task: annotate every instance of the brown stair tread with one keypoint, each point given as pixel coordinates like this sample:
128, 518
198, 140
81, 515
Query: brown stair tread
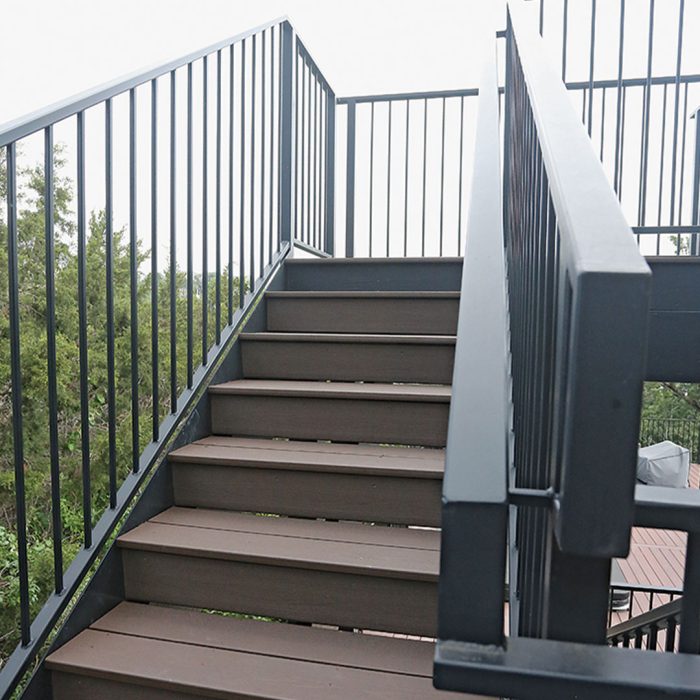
373, 338
344, 458
433, 393
213, 656
292, 542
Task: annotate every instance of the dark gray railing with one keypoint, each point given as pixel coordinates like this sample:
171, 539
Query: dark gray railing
227, 124
682, 431
651, 182
654, 630
577, 376
407, 158
314, 154
475, 504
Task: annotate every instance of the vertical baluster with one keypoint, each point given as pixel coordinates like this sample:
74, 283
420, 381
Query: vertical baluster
82, 336
329, 179
442, 175
133, 268
262, 152
218, 197
652, 639
252, 164
16, 382
230, 186
602, 125
297, 156
154, 257
425, 162
591, 64
173, 244
302, 159
405, 183
622, 145
205, 210
646, 119
661, 171
317, 191
241, 262
56, 522
272, 141
109, 284
388, 184
564, 37
676, 101
350, 183
683, 140
619, 124
460, 195
190, 215
309, 225
670, 635
371, 174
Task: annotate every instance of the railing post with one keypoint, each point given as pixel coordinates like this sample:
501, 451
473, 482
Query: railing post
350, 184
287, 109
330, 173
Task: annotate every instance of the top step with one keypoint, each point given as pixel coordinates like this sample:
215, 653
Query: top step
374, 274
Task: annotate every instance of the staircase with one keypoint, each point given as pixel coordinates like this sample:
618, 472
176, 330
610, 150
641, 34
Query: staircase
307, 522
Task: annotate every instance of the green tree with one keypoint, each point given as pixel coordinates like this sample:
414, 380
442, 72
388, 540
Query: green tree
33, 310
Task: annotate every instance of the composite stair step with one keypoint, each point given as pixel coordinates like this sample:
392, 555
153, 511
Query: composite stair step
384, 357
403, 414
369, 483
337, 573
377, 274
429, 313
156, 653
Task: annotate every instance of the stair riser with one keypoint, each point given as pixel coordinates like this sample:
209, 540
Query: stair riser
417, 316
302, 595
426, 274
342, 420
397, 500
68, 686
369, 362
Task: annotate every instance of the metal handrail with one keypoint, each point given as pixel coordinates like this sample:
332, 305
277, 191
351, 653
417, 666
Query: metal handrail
264, 233
35, 121
657, 617
475, 493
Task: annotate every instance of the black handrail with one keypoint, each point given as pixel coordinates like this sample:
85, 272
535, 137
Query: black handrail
664, 617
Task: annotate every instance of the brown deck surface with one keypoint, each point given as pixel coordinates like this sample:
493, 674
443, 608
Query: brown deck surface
187, 651
331, 390
657, 557
299, 543
314, 456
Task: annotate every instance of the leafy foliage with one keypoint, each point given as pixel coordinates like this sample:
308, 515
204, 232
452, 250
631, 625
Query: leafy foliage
34, 358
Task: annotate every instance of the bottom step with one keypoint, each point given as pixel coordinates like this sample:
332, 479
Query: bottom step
152, 652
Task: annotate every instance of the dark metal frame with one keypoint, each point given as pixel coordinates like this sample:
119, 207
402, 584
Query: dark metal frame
35, 632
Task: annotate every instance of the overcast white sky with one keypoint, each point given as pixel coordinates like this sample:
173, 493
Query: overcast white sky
53, 48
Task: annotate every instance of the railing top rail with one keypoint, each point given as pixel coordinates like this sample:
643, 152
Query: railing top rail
403, 96
309, 60
657, 616
475, 486
595, 234
31, 123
